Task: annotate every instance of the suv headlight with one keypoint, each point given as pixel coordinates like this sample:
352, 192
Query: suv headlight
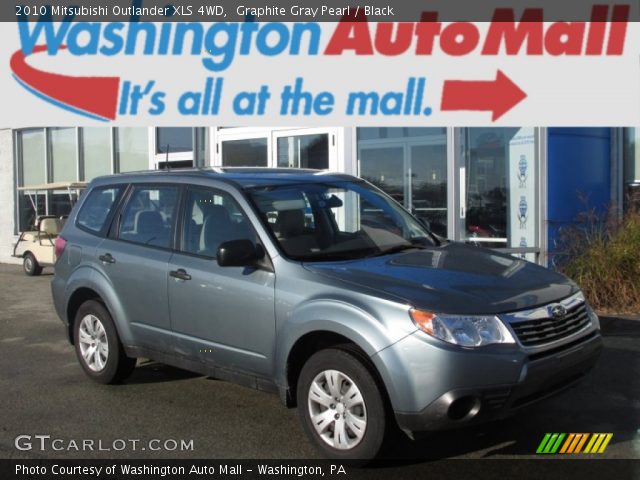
463, 330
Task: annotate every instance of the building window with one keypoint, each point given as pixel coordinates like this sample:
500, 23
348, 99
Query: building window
252, 152
96, 152
32, 168
304, 151
410, 165
631, 173
174, 140
28, 211
499, 190
64, 156
201, 150
33, 158
132, 149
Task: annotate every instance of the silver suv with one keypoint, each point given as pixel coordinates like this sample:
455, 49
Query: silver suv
318, 287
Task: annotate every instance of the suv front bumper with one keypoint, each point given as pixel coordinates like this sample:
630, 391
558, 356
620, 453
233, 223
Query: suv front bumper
485, 386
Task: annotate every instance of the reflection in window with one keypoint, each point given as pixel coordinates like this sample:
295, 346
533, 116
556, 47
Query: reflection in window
33, 157
200, 152
383, 166
304, 151
429, 185
250, 152
132, 148
174, 139
501, 187
33, 169
631, 167
96, 208
62, 147
96, 152
410, 165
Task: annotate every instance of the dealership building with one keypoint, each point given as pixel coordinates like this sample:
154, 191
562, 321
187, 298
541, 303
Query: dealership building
512, 189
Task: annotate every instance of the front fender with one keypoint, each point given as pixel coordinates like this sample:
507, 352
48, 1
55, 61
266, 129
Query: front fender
338, 317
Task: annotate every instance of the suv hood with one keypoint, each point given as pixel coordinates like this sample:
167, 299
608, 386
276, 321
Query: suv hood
454, 278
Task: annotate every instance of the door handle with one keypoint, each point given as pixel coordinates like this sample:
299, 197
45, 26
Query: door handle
107, 258
180, 274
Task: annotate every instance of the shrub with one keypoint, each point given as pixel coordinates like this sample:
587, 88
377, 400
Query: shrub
603, 256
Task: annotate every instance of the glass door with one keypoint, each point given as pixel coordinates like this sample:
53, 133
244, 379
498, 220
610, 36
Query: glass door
427, 173
410, 165
498, 190
384, 167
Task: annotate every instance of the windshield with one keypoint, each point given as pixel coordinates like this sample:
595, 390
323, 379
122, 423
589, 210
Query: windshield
337, 221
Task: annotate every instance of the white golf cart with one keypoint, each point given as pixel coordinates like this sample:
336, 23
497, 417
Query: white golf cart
36, 246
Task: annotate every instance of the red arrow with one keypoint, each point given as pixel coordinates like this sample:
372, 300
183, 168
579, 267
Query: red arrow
498, 96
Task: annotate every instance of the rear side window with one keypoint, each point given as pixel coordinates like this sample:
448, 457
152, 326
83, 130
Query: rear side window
148, 216
96, 209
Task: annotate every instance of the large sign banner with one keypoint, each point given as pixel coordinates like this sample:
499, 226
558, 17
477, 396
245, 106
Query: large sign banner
139, 63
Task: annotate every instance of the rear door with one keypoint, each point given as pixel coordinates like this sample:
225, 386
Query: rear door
223, 316
135, 259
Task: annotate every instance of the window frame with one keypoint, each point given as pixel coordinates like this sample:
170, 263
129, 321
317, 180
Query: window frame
106, 227
184, 156
114, 231
182, 217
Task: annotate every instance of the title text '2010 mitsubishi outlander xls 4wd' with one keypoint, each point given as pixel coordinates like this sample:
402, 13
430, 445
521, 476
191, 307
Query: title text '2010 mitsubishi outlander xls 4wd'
321, 288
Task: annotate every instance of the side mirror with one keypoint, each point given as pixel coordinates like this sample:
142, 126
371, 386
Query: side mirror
239, 253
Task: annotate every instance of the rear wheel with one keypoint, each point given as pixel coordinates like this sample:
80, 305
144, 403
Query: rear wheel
30, 265
98, 346
341, 406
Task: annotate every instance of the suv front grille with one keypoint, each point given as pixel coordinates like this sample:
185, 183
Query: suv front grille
532, 333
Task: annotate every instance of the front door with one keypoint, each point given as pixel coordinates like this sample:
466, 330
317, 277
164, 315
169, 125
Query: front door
221, 316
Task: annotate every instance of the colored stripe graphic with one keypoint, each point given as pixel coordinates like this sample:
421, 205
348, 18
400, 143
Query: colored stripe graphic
583, 439
550, 443
567, 443
606, 441
95, 97
543, 443
553, 443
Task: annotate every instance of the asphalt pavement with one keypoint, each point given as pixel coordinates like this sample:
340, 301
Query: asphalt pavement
171, 413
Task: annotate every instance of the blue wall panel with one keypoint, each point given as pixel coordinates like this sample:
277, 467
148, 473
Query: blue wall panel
578, 163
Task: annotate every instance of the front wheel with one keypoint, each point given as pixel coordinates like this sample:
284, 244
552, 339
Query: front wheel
98, 346
341, 406
30, 265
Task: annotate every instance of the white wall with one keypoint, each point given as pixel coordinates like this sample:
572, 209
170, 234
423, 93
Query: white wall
7, 199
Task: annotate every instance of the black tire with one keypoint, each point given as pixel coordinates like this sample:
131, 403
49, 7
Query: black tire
356, 371
30, 265
116, 366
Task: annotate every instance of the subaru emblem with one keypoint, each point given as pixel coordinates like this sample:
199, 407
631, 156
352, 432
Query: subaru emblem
558, 312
